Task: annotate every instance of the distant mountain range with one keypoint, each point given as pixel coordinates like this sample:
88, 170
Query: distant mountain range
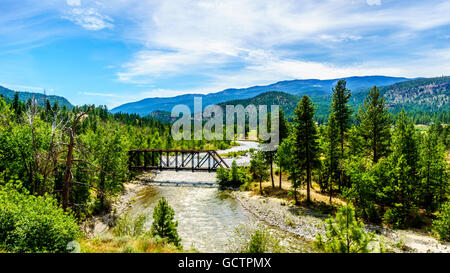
286, 101
431, 95
420, 95
312, 87
40, 98
425, 94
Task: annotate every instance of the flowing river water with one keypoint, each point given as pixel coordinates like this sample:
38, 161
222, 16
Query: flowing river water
207, 216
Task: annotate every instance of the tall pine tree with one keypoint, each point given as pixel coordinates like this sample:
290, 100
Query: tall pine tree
403, 186
341, 110
433, 171
282, 135
306, 140
283, 126
374, 124
332, 152
17, 106
342, 115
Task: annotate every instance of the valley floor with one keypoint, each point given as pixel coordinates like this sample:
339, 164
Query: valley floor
275, 208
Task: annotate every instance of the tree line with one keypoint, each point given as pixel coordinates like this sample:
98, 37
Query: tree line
74, 161
389, 170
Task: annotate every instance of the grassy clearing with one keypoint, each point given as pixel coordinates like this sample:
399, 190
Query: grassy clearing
316, 196
320, 202
127, 244
234, 154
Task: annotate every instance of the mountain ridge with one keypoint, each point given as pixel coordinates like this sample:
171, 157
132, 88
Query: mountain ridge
424, 95
311, 87
40, 98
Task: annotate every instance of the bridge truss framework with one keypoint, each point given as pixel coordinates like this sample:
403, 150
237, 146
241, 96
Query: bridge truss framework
175, 159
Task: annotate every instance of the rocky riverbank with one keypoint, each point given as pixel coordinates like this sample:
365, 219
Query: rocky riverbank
99, 224
281, 214
307, 224
301, 222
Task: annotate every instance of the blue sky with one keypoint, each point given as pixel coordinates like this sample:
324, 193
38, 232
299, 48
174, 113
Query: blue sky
115, 51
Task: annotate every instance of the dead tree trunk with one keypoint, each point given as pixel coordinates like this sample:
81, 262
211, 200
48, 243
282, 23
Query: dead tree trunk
69, 160
271, 172
280, 177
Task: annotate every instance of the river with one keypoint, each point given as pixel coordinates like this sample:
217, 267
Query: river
207, 217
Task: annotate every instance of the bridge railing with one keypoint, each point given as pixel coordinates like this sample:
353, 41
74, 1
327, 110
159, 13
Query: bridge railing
175, 159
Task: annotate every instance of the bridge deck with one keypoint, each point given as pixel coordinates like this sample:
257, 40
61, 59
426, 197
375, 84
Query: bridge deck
182, 184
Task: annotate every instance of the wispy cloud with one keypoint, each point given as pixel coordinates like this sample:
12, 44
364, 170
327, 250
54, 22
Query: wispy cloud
373, 2
89, 18
73, 2
27, 88
207, 37
239, 43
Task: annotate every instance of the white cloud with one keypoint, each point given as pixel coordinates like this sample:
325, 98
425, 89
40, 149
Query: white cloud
373, 2
89, 18
97, 94
204, 36
73, 2
27, 88
239, 43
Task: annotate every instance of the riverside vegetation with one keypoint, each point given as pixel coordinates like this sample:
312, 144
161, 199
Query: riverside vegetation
393, 173
61, 165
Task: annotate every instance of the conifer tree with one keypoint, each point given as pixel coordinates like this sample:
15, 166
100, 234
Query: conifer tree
283, 134
258, 168
283, 126
403, 173
269, 157
332, 152
306, 140
434, 176
342, 115
405, 143
374, 124
17, 106
341, 110
163, 223
284, 156
345, 234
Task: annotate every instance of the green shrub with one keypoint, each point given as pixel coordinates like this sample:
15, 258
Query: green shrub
247, 186
372, 213
222, 176
127, 226
163, 224
128, 248
344, 234
234, 177
235, 154
257, 239
31, 223
257, 242
401, 217
394, 217
441, 224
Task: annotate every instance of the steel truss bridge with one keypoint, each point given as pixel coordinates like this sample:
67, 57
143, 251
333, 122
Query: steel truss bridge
175, 159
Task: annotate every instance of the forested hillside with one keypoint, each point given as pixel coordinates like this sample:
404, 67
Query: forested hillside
59, 166
424, 100
421, 95
393, 174
41, 99
286, 101
310, 87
